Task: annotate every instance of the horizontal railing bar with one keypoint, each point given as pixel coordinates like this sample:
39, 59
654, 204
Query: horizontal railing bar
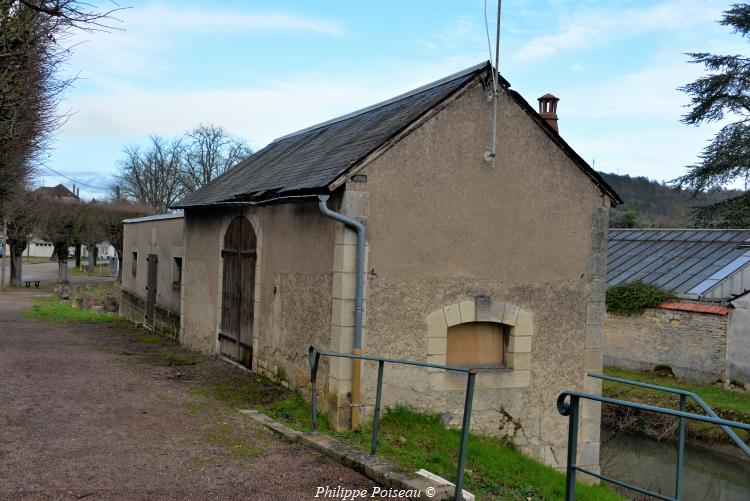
624, 484
667, 389
374, 358
701, 403
562, 407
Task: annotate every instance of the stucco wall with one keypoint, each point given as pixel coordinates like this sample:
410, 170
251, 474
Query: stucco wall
293, 288
444, 226
738, 342
693, 344
160, 237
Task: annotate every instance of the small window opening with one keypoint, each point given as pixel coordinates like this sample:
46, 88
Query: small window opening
135, 263
476, 344
176, 273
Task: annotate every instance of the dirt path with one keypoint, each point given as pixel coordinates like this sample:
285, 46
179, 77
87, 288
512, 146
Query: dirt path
79, 418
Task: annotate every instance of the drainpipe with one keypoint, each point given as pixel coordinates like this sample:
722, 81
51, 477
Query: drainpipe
357, 345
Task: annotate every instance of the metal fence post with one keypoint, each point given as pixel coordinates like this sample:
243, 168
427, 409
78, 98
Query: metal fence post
458, 494
313, 357
570, 477
376, 418
680, 451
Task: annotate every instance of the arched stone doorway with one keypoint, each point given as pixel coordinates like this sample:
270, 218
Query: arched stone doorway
238, 287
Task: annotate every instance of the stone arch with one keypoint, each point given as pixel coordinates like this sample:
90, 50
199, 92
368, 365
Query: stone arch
517, 355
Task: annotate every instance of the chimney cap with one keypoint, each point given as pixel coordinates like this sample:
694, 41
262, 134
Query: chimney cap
548, 97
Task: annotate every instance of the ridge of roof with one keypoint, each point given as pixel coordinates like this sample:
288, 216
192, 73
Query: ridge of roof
436, 83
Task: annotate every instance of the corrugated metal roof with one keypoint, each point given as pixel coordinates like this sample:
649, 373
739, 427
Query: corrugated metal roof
686, 262
308, 161
157, 217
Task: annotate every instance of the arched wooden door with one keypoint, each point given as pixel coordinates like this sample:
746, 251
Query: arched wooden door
238, 289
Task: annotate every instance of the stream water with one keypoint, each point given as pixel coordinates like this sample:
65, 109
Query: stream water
708, 476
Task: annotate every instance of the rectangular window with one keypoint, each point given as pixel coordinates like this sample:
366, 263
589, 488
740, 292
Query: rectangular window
135, 263
476, 344
176, 273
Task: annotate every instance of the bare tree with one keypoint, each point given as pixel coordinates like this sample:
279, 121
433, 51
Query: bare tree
151, 176
61, 224
33, 45
116, 211
209, 152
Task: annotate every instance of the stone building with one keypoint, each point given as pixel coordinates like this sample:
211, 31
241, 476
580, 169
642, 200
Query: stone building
152, 272
497, 263
705, 333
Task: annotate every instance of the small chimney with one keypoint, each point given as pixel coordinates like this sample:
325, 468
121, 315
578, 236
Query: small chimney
548, 110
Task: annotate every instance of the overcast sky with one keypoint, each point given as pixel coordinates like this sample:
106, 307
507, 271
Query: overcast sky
262, 69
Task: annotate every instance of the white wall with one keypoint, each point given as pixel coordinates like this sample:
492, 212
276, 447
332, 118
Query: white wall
738, 340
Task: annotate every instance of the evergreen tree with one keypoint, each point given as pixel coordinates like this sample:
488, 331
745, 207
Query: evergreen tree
723, 93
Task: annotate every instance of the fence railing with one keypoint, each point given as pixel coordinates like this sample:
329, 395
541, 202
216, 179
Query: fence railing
314, 358
683, 406
571, 408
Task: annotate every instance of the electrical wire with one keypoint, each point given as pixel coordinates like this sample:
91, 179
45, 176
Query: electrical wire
75, 180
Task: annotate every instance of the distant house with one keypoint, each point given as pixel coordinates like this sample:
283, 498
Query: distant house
490, 263
705, 333
59, 192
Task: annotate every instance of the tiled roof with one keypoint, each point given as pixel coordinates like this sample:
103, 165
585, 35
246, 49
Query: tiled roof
55, 191
684, 261
309, 161
712, 309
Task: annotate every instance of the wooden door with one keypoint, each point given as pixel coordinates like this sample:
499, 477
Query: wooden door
153, 262
238, 292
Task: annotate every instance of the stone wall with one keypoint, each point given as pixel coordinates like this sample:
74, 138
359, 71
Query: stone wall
693, 344
166, 322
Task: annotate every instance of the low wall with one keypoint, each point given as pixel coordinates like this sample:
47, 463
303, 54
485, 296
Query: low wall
166, 322
693, 344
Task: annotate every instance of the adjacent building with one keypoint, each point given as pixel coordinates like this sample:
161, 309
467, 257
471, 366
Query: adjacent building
704, 334
152, 272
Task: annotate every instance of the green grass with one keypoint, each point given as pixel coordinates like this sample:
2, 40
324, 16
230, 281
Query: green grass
51, 309
36, 260
99, 271
714, 395
224, 436
413, 440
153, 339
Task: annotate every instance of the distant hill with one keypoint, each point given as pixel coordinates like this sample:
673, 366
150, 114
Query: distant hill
651, 204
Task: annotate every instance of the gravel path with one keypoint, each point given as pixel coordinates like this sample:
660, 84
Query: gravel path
82, 420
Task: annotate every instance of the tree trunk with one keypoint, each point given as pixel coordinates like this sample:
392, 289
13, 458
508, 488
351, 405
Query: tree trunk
63, 285
78, 256
93, 251
16, 261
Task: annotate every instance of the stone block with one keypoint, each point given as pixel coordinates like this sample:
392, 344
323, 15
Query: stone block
345, 257
452, 315
518, 344
343, 312
437, 358
524, 324
344, 285
591, 429
593, 359
588, 453
437, 345
356, 204
468, 311
483, 309
497, 311
436, 324
511, 314
598, 290
518, 361
594, 336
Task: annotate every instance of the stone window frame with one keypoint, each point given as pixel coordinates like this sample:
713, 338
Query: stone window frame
255, 223
517, 356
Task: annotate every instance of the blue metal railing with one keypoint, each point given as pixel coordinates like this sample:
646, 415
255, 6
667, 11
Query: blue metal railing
314, 358
571, 409
683, 404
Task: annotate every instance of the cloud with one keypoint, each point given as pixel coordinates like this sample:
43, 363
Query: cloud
146, 35
582, 29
